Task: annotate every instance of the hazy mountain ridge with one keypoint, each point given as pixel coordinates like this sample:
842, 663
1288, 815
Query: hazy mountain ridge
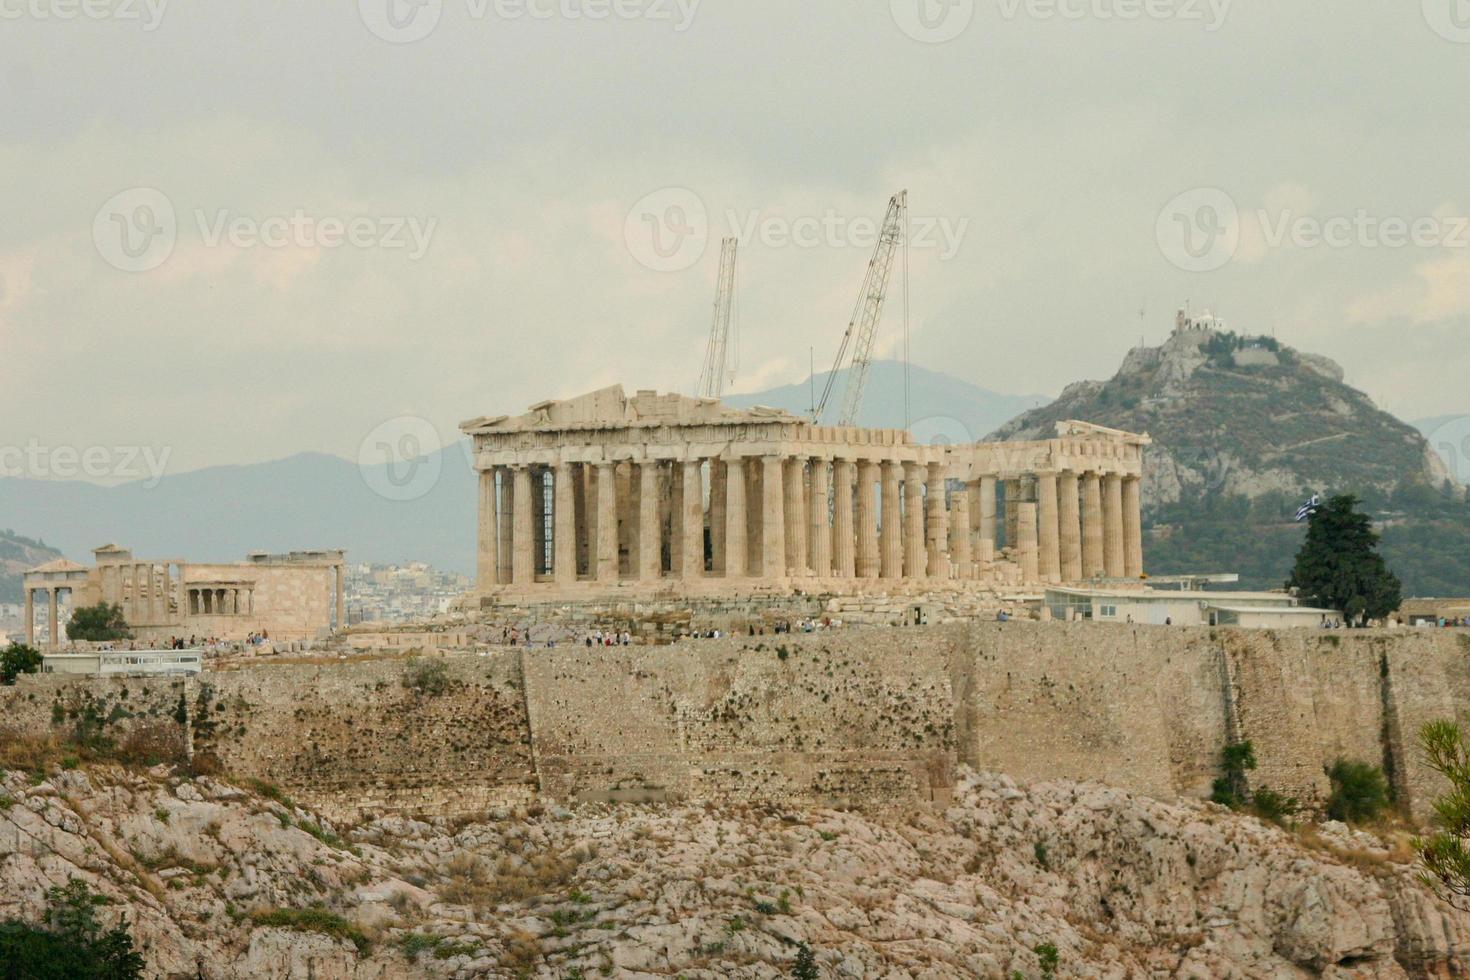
17, 554
1244, 429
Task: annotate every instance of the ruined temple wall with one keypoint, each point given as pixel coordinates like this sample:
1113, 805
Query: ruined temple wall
364, 736
836, 717
292, 602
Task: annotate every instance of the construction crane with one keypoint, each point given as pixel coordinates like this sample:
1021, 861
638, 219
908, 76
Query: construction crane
712, 376
863, 325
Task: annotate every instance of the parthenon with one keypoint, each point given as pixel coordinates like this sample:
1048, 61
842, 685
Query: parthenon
662, 491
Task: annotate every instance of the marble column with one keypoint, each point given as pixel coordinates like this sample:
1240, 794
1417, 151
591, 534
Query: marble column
844, 545
487, 558
773, 518
341, 597
986, 504
914, 562
692, 503
719, 493
820, 551
650, 537
1092, 525
1027, 542
890, 540
30, 615
1049, 557
607, 524
961, 551
506, 537
582, 517
1069, 533
1113, 526
538, 519
676, 519
523, 564
564, 530
52, 619
755, 533
937, 523
1132, 527
735, 519
794, 477
867, 519
1013, 494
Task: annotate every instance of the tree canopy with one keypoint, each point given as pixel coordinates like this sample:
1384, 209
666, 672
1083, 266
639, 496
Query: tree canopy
98, 623
71, 945
1339, 567
18, 659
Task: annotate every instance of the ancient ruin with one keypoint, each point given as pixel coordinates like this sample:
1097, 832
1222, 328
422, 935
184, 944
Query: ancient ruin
664, 491
293, 596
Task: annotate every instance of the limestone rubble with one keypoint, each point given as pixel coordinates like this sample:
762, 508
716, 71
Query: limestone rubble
1121, 885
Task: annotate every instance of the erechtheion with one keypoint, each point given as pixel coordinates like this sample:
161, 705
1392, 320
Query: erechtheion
654, 492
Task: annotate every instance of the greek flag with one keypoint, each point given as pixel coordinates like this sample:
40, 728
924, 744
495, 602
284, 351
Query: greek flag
1309, 508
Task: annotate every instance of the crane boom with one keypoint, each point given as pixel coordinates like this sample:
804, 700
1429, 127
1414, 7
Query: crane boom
712, 374
863, 325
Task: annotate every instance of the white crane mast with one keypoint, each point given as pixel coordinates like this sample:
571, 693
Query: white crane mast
863, 326
712, 375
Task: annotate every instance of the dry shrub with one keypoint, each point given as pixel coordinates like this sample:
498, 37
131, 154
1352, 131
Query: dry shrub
522, 950
152, 743
474, 884
32, 753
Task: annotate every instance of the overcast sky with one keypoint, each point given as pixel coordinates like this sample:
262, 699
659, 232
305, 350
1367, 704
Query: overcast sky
237, 231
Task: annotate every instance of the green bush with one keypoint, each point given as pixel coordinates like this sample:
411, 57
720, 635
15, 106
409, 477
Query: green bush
1359, 791
18, 659
314, 919
1273, 806
1236, 760
429, 677
71, 945
805, 967
101, 622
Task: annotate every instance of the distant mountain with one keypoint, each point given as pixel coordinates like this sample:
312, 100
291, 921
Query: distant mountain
1245, 429
17, 554
308, 501
1449, 436
940, 406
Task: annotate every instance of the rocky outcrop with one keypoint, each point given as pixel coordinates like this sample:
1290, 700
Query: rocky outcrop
219, 882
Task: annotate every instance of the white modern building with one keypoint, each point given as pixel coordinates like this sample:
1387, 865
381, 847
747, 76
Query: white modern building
1184, 607
125, 663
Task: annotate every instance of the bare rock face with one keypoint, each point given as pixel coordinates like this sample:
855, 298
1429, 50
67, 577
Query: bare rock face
216, 882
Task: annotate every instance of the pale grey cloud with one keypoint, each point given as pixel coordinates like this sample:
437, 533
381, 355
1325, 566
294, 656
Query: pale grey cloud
1046, 144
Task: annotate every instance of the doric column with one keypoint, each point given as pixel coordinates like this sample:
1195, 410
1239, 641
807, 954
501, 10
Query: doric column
692, 503
582, 506
1113, 562
30, 616
735, 519
913, 520
1069, 533
1132, 527
1013, 499
867, 520
844, 545
1026, 541
755, 535
341, 597
507, 525
773, 518
719, 494
486, 557
794, 478
52, 619
1092, 525
564, 526
650, 534
891, 536
675, 504
937, 523
960, 550
538, 520
627, 546
1049, 558
820, 552
523, 566
607, 523
986, 488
